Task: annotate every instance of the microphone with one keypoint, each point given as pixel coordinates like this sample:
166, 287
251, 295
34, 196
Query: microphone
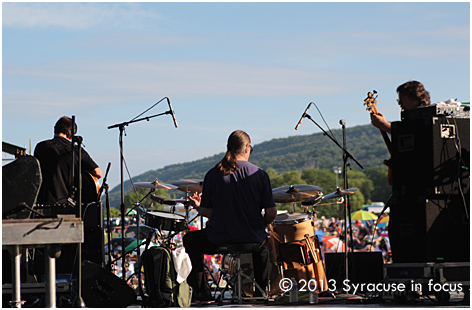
172, 113
303, 116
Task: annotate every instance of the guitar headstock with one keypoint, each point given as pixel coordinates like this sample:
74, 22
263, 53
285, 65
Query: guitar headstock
371, 102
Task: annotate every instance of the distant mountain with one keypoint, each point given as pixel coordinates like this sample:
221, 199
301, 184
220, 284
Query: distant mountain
284, 154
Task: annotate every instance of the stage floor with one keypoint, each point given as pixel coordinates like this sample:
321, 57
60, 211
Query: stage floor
456, 301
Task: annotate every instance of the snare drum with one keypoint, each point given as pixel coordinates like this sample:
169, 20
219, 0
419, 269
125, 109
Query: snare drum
292, 226
166, 221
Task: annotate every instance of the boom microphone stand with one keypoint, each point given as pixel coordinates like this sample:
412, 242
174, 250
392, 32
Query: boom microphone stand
346, 156
77, 190
107, 205
121, 126
347, 205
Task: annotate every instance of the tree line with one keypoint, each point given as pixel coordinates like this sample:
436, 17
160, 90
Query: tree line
371, 184
285, 157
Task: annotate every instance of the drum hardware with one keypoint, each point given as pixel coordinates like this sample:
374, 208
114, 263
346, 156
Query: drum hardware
173, 202
170, 202
294, 193
155, 185
166, 221
340, 193
189, 185
312, 201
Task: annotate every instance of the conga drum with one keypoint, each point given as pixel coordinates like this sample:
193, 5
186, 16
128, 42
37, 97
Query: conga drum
296, 248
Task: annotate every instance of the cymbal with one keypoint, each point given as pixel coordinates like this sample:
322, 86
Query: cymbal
313, 200
294, 193
155, 185
340, 193
168, 201
189, 185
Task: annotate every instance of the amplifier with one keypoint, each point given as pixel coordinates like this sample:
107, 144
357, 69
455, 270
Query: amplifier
93, 246
430, 157
433, 110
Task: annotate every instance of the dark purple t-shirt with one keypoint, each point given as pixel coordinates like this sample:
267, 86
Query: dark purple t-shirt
237, 200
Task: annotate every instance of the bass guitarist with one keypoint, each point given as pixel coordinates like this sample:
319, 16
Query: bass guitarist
411, 95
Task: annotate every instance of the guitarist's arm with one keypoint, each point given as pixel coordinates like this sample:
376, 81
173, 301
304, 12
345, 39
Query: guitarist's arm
378, 120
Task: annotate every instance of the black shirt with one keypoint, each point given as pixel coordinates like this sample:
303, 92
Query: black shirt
237, 200
55, 158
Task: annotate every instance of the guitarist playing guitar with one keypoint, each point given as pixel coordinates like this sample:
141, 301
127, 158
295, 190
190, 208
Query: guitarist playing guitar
371, 105
411, 95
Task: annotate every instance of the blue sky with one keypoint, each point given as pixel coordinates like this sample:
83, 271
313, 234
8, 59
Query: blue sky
224, 66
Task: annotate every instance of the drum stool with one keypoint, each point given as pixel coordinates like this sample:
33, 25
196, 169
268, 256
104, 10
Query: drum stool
234, 282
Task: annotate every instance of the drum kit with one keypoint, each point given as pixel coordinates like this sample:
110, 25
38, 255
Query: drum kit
169, 221
294, 246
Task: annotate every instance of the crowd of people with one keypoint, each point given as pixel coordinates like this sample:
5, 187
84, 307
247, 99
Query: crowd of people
366, 236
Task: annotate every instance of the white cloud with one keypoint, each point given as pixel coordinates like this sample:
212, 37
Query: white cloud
118, 81
75, 15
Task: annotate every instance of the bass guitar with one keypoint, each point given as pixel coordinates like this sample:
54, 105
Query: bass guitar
371, 105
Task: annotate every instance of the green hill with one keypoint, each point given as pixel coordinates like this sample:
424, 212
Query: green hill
284, 154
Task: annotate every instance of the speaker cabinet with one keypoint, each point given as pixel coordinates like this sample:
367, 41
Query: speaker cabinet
93, 246
429, 230
364, 267
430, 157
102, 289
429, 213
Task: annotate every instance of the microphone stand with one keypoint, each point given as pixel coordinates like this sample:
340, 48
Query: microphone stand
77, 147
347, 207
121, 126
137, 207
104, 187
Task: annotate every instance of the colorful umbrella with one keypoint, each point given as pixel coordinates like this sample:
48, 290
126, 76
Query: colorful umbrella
385, 219
320, 234
333, 243
382, 225
383, 222
363, 215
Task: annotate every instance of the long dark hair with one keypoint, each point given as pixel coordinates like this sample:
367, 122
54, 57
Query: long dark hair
237, 143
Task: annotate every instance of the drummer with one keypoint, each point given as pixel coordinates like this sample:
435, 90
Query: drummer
234, 194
